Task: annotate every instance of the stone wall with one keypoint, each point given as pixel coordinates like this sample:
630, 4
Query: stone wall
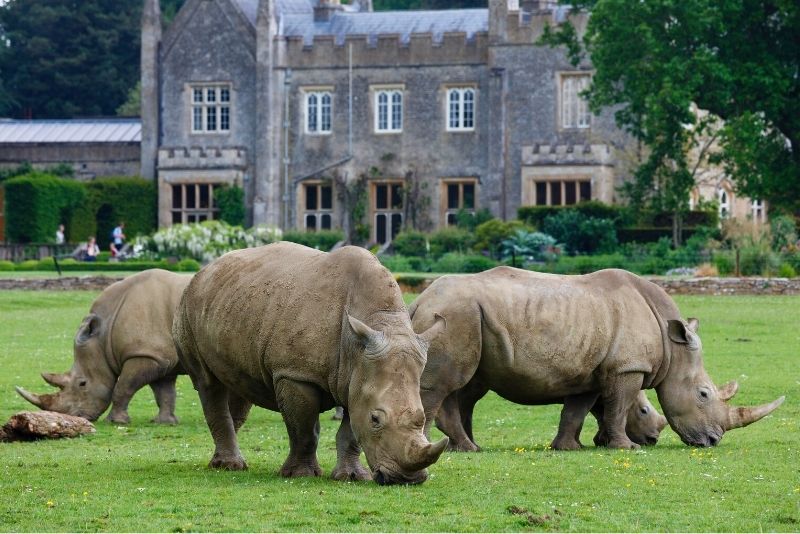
63, 283
87, 159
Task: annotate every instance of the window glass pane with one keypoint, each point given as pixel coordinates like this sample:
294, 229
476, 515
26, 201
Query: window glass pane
201, 217
469, 109
383, 111
204, 196
177, 197
211, 119
197, 95
191, 201
225, 118
469, 196
177, 217
397, 110
555, 193
380, 228
397, 224
211, 95
224, 95
311, 222
586, 190
381, 196
311, 113
327, 197
325, 221
541, 193
569, 192
451, 219
311, 197
397, 196
197, 119
453, 108
452, 196
325, 112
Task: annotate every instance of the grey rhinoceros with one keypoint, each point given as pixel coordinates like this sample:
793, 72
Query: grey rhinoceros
123, 344
299, 331
540, 339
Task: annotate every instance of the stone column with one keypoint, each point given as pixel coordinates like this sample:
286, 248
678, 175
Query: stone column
151, 44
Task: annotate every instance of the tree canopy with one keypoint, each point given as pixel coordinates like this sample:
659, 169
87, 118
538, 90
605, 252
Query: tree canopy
738, 59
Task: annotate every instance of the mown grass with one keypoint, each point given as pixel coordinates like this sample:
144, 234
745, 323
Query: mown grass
151, 478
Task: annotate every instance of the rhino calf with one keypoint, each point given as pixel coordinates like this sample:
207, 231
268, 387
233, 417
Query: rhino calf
299, 331
124, 344
539, 339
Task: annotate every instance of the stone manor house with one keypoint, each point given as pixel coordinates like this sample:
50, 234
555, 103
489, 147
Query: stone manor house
282, 96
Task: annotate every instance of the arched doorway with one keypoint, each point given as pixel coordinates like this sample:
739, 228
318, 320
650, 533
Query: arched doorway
105, 225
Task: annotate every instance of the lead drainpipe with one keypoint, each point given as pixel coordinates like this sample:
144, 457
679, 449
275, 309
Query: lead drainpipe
287, 82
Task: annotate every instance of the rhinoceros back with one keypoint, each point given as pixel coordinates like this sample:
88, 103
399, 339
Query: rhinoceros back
256, 315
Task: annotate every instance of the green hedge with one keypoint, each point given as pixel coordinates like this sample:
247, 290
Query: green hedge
535, 215
321, 240
36, 203
649, 235
69, 264
230, 200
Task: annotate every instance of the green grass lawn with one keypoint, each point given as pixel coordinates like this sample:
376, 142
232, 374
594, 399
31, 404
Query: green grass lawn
150, 478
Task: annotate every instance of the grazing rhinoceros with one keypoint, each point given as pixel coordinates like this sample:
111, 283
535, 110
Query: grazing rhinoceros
123, 344
538, 339
299, 331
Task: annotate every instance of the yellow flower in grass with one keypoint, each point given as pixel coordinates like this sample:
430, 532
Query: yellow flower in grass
50, 504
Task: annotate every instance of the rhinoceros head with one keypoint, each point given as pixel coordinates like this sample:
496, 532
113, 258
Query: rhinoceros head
384, 403
644, 424
86, 389
694, 406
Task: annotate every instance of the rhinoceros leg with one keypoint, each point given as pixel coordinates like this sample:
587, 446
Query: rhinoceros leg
214, 399
239, 408
619, 393
300, 404
348, 451
572, 416
448, 420
164, 392
136, 373
468, 397
601, 437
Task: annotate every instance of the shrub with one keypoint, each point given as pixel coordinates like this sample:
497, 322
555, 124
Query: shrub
526, 245
462, 263
724, 262
757, 261
36, 203
187, 265
586, 264
410, 243
490, 235
581, 234
536, 215
784, 232
467, 220
27, 265
322, 240
396, 263
785, 271
451, 240
6, 265
230, 200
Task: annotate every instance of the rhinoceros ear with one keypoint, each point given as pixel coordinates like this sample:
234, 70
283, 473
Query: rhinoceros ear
374, 342
438, 327
89, 328
694, 324
677, 331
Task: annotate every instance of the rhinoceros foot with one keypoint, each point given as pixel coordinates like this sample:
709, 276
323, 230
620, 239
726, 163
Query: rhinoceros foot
293, 469
231, 463
120, 418
564, 443
622, 444
167, 419
351, 473
463, 446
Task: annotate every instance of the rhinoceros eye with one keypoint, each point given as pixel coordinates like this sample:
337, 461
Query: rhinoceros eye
644, 410
376, 419
82, 383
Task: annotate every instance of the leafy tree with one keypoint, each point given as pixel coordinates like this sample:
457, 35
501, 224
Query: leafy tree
737, 59
63, 58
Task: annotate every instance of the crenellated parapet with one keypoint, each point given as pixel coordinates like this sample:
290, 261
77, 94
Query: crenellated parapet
417, 49
523, 21
567, 154
179, 158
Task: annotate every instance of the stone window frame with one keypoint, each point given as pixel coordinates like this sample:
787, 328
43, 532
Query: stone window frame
391, 90
319, 92
196, 213
445, 210
565, 181
391, 212
319, 212
724, 196
222, 108
563, 81
461, 90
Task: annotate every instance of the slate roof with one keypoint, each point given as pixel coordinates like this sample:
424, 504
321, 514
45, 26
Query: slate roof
71, 131
374, 23
284, 7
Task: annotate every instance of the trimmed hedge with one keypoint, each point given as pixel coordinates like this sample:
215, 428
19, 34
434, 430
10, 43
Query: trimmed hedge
230, 200
321, 240
70, 264
536, 215
36, 203
649, 235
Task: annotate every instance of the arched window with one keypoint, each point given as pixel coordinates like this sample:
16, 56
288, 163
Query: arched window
724, 198
757, 211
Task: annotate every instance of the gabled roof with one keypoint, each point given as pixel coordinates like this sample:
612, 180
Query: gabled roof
71, 131
375, 23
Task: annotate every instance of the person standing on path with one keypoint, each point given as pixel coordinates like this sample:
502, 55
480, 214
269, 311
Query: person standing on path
118, 239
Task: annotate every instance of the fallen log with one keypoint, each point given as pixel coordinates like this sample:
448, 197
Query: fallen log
30, 426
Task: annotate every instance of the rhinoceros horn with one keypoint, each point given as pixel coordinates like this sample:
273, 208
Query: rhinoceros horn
55, 379
426, 455
42, 401
727, 391
743, 416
